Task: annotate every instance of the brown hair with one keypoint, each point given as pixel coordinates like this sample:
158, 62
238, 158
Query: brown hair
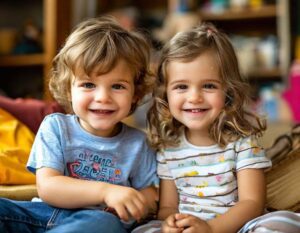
235, 121
101, 42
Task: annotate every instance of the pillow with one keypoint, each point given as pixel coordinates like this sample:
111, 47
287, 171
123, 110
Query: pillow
283, 182
15, 145
31, 112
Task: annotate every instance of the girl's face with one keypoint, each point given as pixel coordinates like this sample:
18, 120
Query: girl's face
195, 95
103, 100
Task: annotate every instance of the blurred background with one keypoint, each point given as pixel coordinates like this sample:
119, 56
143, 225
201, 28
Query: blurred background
265, 34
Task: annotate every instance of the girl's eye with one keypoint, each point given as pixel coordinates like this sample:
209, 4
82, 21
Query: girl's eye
88, 85
210, 86
118, 86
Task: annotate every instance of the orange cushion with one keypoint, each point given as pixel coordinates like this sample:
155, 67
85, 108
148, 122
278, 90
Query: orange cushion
15, 145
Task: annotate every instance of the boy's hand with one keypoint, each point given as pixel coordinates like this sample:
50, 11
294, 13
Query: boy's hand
169, 225
191, 224
126, 201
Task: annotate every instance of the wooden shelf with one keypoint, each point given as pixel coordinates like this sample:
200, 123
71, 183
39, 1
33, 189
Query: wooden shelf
265, 73
21, 60
267, 11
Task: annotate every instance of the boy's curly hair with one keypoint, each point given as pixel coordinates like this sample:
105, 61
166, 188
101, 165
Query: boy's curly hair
235, 121
101, 42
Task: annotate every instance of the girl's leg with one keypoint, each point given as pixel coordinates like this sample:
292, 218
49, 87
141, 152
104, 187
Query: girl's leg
92, 221
278, 221
24, 216
153, 226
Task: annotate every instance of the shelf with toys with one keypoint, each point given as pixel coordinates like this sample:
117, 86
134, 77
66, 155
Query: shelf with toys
263, 11
260, 32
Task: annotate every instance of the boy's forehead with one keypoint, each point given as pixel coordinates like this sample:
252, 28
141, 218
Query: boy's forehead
102, 68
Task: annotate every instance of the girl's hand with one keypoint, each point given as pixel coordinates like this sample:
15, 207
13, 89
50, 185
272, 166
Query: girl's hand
192, 224
126, 201
169, 225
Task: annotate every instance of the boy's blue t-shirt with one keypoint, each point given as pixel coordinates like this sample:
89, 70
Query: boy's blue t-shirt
62, 144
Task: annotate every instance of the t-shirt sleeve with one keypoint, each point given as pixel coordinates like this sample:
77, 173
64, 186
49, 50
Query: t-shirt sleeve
162, 167
145, 174
250, 155
46, 150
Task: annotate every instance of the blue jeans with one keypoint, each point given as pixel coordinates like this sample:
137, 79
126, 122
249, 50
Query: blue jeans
38, 217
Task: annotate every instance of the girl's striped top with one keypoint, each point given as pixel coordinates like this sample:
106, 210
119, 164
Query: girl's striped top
205, 177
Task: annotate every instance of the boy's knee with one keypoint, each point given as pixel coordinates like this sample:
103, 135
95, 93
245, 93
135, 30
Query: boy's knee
100, 221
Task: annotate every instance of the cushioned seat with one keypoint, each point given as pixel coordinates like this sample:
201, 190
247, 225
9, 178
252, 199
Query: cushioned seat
18, 192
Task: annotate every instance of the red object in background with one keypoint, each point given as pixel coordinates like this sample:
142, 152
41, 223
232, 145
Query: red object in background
292, 95
30, 112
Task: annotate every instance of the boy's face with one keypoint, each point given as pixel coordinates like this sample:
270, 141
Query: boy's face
103, 100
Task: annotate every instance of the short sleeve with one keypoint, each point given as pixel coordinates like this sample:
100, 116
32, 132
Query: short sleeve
47, 149
250, 155
162, 167
145, 173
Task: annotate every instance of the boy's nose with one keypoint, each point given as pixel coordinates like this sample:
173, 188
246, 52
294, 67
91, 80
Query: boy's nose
102, 95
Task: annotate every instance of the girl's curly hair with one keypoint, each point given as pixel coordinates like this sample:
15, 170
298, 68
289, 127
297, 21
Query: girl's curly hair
235, 121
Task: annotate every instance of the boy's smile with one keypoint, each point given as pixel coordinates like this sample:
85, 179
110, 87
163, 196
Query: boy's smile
101, 101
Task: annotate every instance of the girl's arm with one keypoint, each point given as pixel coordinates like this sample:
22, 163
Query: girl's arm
67, 192
168, 199
251, 193
150, 193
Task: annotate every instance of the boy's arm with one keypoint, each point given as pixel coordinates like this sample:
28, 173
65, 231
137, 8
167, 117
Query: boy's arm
67, 192
168, 199
251, 192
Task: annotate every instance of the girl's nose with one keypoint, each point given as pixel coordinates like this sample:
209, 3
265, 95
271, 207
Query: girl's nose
195, 96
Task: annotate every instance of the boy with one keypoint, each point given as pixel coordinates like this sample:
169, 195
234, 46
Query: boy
93, 172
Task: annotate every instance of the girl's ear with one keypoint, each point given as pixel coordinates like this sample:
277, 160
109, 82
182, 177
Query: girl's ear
228, 100
135, 99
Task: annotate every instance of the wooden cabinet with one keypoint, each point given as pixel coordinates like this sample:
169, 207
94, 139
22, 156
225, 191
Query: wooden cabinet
268, 19
29, 69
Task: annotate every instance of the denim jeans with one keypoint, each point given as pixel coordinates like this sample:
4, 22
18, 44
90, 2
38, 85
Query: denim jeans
38, 217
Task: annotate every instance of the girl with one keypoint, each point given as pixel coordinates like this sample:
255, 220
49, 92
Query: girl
209, 162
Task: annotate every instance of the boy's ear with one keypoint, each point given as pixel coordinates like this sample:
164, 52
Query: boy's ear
69, 96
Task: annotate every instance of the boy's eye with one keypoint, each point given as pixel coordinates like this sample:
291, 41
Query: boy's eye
181, 87
118, 86
88, 85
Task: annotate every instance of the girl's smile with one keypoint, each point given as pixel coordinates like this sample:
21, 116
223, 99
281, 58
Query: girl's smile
195, 93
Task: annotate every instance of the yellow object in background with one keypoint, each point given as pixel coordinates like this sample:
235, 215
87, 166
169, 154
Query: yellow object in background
255, 3
7, 40
297, 47
15, 145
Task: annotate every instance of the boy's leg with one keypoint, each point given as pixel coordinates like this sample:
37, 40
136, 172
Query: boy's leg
92, 221
24, 216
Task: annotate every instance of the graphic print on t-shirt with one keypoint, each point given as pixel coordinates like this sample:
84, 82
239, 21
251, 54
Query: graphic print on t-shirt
94, 166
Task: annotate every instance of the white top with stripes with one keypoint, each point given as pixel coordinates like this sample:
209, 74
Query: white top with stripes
205, 177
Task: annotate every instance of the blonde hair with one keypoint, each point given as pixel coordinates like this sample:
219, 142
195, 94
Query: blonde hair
101, 42
235, 121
